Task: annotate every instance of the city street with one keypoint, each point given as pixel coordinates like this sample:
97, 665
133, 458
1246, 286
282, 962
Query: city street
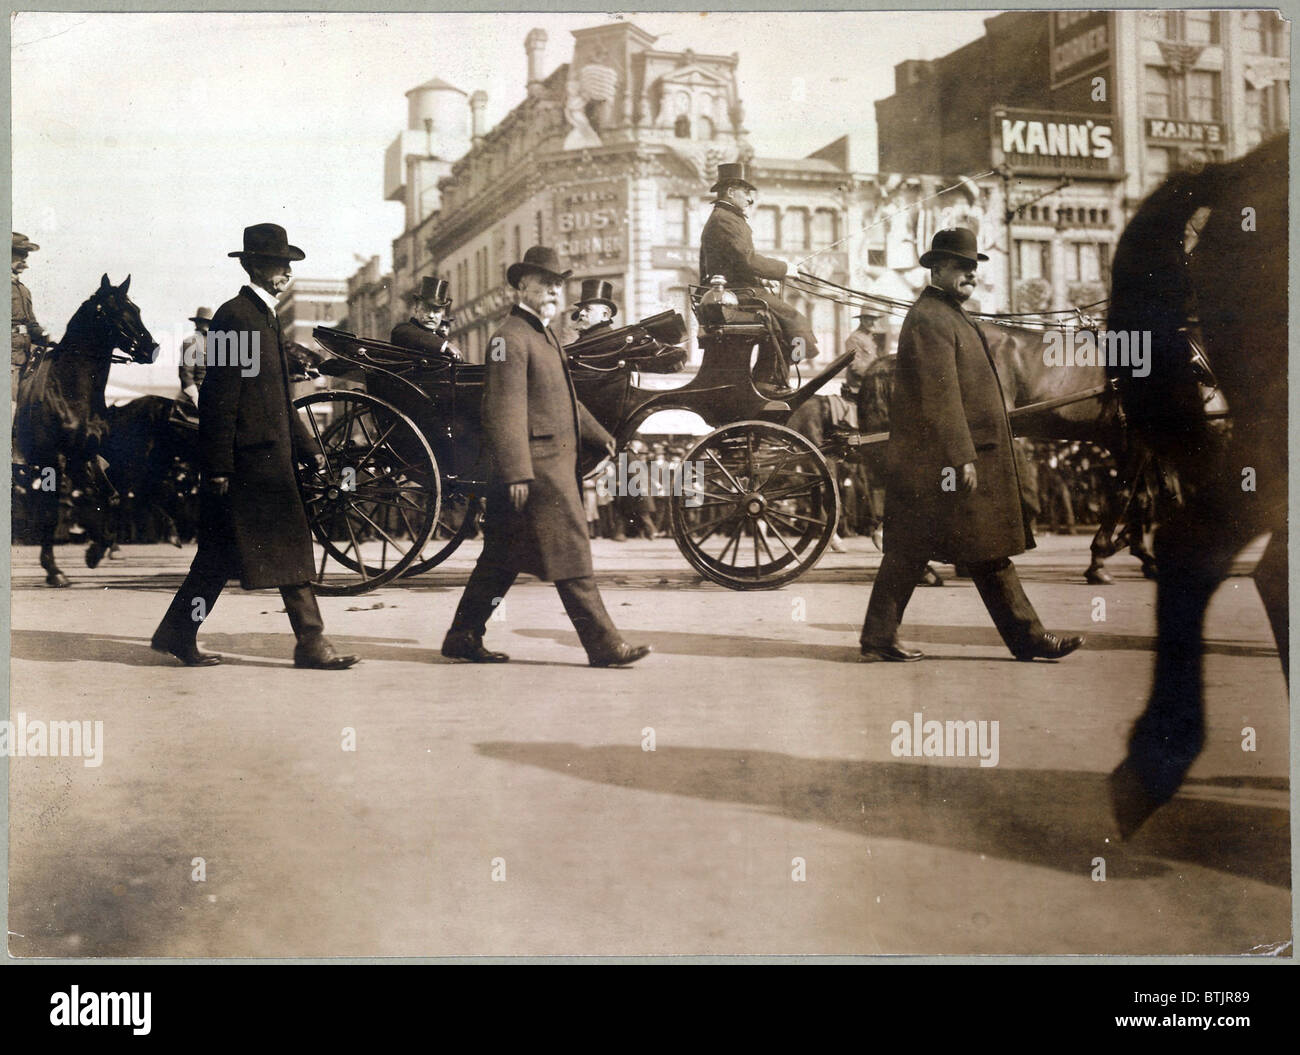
412, 806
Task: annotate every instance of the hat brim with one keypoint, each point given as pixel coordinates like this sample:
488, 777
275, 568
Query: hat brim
722, 184
292, 253
929, 259
516, 272
443, 304
200, 318
26, 247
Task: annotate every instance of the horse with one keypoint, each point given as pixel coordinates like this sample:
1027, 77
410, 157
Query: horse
60, 418
1069, 401
152, 454
1232, 287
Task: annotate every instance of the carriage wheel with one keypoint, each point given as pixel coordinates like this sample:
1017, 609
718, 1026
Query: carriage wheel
377, 502
461, 514
761, 509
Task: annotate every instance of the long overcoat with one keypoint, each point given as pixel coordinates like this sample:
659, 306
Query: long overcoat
947, 410
249, 432
533, 424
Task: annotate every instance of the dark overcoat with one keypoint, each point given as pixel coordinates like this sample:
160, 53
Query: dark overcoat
533, 424
947, 410
249, 432
419, 338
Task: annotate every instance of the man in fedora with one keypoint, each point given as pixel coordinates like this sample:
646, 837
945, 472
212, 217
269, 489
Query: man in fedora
536, 522
595, 309
25, 333
252, 522
953, 493
727, 249
194, 358
423, 331
867, 342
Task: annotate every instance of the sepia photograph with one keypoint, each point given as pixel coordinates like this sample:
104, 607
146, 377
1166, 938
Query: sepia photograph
649, 484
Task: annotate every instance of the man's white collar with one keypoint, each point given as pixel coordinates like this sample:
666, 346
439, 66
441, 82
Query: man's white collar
269, 299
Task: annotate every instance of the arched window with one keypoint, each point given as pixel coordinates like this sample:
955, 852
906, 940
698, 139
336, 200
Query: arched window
682, 127
706, 128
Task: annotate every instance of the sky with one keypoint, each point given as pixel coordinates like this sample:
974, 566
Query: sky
143, 144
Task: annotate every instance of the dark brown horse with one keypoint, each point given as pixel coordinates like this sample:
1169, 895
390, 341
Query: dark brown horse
1233, 286
60, 419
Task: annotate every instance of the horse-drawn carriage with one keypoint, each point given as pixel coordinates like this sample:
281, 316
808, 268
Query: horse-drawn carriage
406, 466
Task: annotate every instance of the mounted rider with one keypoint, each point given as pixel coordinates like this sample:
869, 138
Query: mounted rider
424, 331
727, 249
26, 334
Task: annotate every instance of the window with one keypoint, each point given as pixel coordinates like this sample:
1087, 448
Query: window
1156, 84
1259, 118
1202, 95
1199, 27
1033, 260
794, 229
1263, 33
765, 227
676, 221
519, 252
875, 258
1083, 262
706, 128
1159, 163
682, 127
825, 228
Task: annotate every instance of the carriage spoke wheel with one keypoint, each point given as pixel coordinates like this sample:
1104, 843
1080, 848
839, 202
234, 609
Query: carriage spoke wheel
761, 508
460, 515
374, 507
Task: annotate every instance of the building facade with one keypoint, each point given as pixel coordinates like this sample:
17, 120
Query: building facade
1063, 121
608, 159
312, 302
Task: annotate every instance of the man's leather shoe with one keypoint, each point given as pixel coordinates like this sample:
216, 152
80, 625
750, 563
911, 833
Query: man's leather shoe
187, 652
890, 653
471, 650
621, 656
319, 654
1050, 646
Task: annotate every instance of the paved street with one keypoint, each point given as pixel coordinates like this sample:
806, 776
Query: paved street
514, 809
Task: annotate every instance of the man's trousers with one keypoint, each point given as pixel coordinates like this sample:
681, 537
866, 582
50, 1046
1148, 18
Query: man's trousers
487, 588
996, 580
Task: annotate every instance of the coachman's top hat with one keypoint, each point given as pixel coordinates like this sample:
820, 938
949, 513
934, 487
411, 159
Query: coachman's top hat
268, 239
956, 242
435, 291
539, 259
595, 291
201, 315
732, 172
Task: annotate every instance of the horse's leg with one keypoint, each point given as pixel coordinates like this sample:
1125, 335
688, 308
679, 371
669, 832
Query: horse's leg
46, 508
105, 505
1271, 582
1195, 553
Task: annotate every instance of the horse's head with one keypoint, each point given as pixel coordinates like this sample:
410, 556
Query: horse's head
110, 320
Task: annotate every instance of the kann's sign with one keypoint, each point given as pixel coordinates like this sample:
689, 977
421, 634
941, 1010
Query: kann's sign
1040, 142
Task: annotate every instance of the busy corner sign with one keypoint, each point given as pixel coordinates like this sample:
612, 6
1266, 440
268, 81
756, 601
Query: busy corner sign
591, 223
1047, 143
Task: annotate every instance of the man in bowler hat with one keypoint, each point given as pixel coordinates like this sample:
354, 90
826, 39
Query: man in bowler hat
423, 332
953, 493
727, 249
535, 522
252, 522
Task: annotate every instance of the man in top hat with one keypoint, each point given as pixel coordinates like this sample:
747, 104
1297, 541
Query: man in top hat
535, 523
194, 358
25, 332
252, 522
424, 330
595, 309
727, 249
952, 493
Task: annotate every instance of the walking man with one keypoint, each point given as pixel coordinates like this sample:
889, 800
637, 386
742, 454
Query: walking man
953, 493
535, 523
252, 522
